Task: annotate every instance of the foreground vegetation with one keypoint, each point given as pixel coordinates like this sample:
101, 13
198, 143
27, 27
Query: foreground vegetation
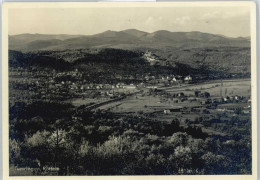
48, 140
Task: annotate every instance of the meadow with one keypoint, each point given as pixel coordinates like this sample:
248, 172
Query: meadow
241, 87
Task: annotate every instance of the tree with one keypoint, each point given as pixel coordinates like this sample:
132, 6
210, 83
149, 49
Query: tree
182, 158
38, 148
178, 139
14, 151
215, 164
207, 95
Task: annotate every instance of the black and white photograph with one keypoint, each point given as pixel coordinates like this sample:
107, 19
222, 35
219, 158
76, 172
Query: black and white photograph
108, 89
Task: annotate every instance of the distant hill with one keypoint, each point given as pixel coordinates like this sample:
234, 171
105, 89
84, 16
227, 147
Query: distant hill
135, 32
128, 39
25, 41
135, 52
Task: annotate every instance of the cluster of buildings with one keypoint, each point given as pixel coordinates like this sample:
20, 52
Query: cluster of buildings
169, 79
202, 102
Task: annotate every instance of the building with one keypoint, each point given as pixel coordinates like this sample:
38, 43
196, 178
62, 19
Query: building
188, 78
131, 86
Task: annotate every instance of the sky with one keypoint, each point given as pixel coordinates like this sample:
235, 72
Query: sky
227, 21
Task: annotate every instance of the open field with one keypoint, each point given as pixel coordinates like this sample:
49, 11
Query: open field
231, 87
81, 101
134, 104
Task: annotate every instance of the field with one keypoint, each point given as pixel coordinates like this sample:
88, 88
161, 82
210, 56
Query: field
232, 87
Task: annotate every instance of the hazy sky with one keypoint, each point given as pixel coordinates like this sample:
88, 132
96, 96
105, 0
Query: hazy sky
229, 21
